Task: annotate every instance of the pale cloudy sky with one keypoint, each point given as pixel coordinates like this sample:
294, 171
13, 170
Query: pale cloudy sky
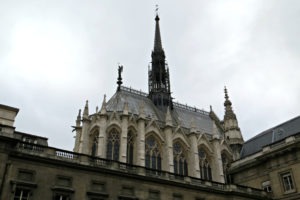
56, 54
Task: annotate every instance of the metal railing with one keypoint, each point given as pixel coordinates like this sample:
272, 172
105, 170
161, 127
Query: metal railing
189, 108
133, 91
176, 104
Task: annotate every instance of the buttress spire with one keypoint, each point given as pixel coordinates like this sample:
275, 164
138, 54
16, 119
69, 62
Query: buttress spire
229, 114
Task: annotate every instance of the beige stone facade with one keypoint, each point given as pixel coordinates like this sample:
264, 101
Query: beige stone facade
36, 171
144, 146
276, 168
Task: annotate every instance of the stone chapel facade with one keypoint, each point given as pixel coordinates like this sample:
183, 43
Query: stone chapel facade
152, 131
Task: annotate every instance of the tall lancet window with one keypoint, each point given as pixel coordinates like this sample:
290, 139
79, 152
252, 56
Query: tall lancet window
130, 147
113, 145
205, 169
153, 154
180, 164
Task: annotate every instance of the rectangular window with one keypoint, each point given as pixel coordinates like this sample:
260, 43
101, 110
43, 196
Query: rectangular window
266, 186
98, 186
129, 191
58, 196
64, 181
287, 182
177, 197
154, 195
22, 194
25, 175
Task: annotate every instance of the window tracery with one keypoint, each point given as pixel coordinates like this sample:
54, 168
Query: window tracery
113, 145
180, 163
205, 169
153, 153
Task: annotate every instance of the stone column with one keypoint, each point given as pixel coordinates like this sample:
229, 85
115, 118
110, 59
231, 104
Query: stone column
141, 142
168, 156
123, 139
84, 140
101, 149
193, 164
217, 170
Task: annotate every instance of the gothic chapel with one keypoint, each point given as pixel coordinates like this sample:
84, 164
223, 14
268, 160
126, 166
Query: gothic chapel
152, 131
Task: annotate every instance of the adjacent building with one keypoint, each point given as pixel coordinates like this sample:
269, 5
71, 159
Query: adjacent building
271, 160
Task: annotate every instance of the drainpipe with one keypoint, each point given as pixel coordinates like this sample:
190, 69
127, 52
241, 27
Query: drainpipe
4, 178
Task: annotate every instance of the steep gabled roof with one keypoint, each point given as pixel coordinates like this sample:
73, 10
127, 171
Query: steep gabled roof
181, 114
270, 136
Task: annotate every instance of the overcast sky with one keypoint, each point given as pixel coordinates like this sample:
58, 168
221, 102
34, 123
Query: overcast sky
56, 54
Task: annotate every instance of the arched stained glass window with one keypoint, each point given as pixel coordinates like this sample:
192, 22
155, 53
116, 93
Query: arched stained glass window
180, 164
130, 147
205, 169
113, 145
153, 154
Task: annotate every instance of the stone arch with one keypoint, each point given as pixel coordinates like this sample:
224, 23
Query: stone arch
182, 139
202, 140
156, 133
113, 126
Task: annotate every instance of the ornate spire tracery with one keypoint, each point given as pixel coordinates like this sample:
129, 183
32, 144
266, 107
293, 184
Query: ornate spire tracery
159, 82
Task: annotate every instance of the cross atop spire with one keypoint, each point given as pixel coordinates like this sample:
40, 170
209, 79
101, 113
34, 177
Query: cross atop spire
156, 9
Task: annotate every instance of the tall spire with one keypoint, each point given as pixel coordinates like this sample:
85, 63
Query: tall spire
157, 38
159, 82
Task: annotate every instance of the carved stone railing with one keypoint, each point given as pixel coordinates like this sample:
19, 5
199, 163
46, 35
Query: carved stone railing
69, 156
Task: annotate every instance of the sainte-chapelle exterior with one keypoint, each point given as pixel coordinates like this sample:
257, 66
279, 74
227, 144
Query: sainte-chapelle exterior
145, 146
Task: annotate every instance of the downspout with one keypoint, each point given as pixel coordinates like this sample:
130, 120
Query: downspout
4, 178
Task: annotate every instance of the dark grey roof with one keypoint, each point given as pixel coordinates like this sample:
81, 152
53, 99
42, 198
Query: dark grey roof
182, 115
270, 136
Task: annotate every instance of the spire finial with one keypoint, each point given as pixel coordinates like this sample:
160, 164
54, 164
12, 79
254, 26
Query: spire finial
119, 82
226, 93
79, 113
227, 101
103, 107
169, 117
86, 109
156, 9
